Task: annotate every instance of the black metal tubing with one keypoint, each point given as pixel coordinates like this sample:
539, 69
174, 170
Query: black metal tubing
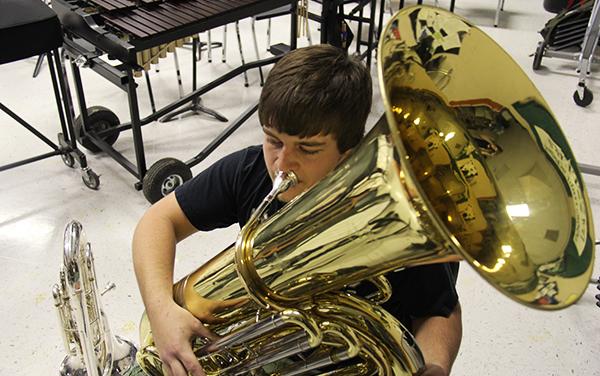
111, 73
59, 102
118, 157
80, 97
136, 123
293, 25
222, 136
136, 126
25, 124
30, 160
150, 94
66, 137
194, 62
328, 13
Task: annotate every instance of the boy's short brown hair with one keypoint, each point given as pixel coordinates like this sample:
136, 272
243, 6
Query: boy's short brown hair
318, 90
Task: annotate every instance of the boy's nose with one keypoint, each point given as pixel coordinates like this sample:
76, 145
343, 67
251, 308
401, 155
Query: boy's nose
287, 160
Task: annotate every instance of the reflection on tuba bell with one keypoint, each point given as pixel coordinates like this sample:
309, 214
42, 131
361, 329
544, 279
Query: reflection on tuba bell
469, 164
91, 348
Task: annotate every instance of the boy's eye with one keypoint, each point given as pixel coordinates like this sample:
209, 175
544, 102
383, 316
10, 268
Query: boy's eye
274, 142
309, 151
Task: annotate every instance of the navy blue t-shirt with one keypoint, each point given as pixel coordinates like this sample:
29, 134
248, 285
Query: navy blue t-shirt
228, 191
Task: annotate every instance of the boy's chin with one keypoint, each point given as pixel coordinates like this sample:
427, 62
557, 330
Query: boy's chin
288, 196
283, 198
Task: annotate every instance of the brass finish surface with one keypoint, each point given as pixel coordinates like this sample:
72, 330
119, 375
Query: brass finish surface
486, 154
470, 164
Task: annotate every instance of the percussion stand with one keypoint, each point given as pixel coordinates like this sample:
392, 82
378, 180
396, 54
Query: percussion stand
195, 107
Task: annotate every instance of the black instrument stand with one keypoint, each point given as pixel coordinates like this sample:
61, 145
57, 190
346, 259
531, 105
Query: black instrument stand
27, 20
195, 107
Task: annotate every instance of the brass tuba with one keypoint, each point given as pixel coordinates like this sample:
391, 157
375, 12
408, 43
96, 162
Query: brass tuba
468, 163
91, 348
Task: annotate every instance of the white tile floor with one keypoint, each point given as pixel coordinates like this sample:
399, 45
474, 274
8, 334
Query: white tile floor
500, 337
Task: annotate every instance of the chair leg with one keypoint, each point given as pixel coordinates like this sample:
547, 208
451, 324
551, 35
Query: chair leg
178, 72
498, 10
260, 72
268, 34
209, 46
239, 38
38, 65
199, 49
224, 52
150, 94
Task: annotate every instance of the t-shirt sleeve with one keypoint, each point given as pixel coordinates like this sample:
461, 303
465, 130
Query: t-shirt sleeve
209, 199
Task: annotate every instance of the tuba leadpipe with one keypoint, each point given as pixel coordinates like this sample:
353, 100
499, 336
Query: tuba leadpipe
464, 165
91, 348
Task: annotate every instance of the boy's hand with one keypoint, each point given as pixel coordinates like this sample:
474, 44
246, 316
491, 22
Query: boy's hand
173, 329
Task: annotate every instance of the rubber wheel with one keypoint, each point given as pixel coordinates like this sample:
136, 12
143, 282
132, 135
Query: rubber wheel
163, 177
68, 160
537, 57
99, 119
588, 97
90, 179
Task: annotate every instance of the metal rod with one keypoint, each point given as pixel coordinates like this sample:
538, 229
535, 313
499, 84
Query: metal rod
589, 169
152, 105
59, 102
239, 39
294, 25
222, 136
30, 160
178, 71
80, 96
28, 126
136, 127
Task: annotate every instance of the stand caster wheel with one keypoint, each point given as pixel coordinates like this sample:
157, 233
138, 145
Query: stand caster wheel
99, 119
163, 177
68, 160
537, 57
90, 179
588, 97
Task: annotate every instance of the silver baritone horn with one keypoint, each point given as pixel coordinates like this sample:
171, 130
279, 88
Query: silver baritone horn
91, 348
470, 163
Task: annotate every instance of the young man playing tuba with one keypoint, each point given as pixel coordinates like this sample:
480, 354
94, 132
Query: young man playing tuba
313, 110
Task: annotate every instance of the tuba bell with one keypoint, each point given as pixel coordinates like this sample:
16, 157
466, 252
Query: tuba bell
468, 163
91, 348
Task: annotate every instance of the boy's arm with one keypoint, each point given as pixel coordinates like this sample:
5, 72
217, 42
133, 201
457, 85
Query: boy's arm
154, 241
439, 340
